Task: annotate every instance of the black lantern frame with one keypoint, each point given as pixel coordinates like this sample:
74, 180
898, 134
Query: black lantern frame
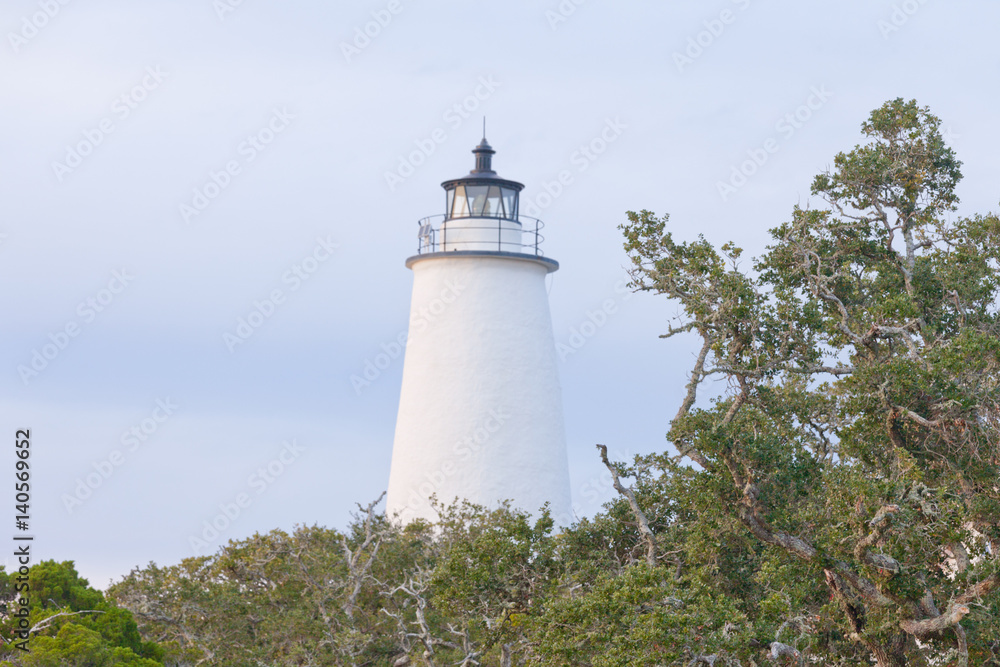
481, 198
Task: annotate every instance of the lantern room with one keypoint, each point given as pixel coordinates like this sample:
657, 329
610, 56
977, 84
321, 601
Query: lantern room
482, 194
481, 215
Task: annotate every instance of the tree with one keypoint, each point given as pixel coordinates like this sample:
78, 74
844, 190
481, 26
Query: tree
76, 646
70, 623
452, 593
858, 445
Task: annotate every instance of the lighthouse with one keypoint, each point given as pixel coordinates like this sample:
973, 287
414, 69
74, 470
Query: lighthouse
480, 410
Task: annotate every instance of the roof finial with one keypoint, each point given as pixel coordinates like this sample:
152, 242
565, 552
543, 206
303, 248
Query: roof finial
483, 153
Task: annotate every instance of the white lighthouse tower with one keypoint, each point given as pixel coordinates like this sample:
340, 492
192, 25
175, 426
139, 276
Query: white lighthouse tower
480, 412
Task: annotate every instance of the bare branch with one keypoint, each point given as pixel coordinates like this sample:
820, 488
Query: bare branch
764, 532
831, 370
505, 657
46, 622
697, 374
963, 645
951, 617
357, 570
980, 590
640, 517
955, 612
779, 650
741, 398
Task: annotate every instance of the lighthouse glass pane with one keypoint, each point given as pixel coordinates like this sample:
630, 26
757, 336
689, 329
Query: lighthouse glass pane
451, 202
494, 207
461, 207
477, 198
510, 203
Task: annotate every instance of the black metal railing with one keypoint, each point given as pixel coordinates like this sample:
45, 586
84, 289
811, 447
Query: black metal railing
433, 235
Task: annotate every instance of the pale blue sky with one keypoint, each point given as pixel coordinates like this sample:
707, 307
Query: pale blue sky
344, 124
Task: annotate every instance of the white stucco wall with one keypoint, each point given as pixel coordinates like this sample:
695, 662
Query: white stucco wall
480, 412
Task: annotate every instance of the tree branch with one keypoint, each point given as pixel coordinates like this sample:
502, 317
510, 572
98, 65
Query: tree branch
955, 612
697, 375
640, 517
879, 525
358, 571
779, 650
951, 617
46, 622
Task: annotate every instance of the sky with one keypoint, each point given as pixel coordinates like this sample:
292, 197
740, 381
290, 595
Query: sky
167, 167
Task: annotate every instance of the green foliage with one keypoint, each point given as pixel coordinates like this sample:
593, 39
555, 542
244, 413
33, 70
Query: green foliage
76, 646
59, 586
640, 617
495, 566
71, 623
367, 596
